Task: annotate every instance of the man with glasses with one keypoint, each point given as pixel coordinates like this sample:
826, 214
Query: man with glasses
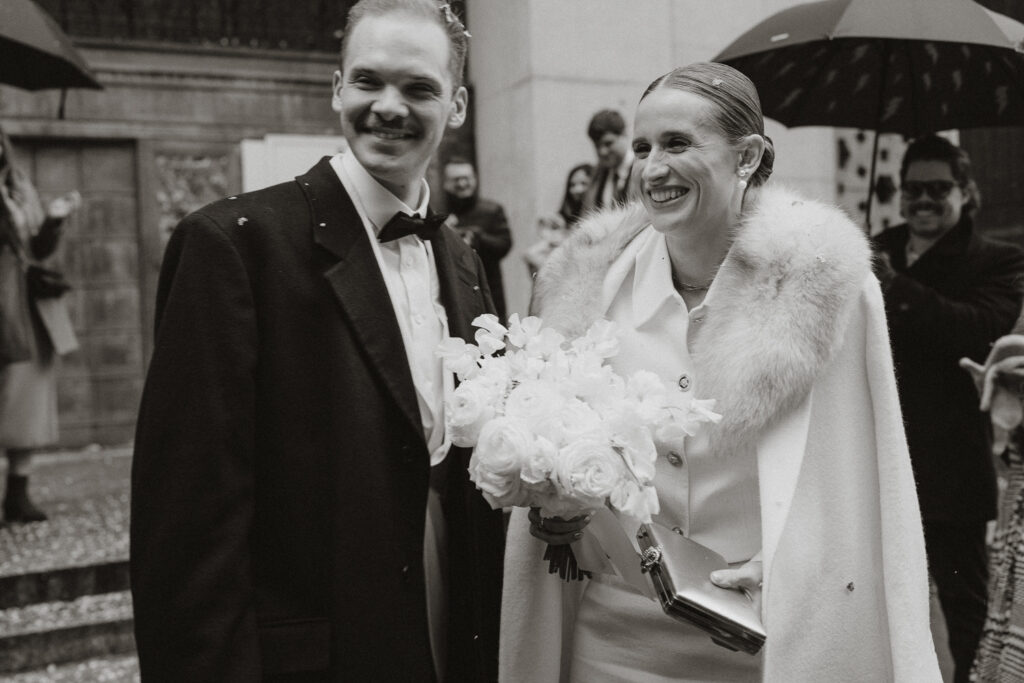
949, 293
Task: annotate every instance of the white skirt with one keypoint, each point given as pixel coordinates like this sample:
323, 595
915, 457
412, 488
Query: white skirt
623, 636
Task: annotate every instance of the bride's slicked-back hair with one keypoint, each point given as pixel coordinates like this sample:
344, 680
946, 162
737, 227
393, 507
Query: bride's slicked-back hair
458, 38
736, 108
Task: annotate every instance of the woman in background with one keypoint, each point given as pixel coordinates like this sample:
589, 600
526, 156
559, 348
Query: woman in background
28, 376
576, 184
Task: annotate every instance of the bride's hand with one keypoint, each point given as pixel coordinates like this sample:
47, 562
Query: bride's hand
555, 530
747, 578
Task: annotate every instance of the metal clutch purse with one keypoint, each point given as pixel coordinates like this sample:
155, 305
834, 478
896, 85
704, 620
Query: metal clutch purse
679, 568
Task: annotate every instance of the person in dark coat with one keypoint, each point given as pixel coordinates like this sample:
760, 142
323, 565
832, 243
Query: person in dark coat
481, 222
612, 182
297, 513
950, 292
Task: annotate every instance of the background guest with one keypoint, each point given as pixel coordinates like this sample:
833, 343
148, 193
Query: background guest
949, 293
481, 222
32, 329
610, 183
576, 185
1000, 382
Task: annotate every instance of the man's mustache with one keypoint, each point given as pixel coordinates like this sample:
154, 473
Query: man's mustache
925, 206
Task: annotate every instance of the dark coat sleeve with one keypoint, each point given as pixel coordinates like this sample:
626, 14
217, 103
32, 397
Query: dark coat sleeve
45, 241
962, 326
192, 475
494, 239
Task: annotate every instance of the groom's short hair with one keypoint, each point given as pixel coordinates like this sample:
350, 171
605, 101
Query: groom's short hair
442, 15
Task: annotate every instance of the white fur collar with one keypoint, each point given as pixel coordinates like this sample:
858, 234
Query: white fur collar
781, 303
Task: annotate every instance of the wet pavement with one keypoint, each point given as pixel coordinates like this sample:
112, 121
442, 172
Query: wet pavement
65, 612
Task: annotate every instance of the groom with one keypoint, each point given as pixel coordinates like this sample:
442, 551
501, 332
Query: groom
297, 513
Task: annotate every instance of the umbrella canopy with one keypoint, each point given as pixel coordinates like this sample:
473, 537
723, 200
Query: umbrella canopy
34, 52
899, 66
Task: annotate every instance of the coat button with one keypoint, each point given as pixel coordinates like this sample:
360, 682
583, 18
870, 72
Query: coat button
674, 459
684, 382
405, 573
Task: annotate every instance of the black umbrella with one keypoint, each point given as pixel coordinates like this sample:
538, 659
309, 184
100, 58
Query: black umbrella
900, 66
35, 53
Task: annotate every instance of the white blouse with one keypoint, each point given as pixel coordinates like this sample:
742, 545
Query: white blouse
713, 500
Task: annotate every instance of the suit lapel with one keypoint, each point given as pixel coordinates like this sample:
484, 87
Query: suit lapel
358, 284
460, 291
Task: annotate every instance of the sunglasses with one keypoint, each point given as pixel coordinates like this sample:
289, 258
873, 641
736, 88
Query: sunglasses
936, 189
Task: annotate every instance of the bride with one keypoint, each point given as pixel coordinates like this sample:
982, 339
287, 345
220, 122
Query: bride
765, 302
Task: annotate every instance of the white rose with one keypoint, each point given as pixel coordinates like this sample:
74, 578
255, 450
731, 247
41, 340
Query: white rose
588, 470
574, 420
468, 409
501, 450
532, 401
539, 464
589, 377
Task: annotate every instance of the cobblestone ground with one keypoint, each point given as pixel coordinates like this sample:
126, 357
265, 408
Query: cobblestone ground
106, 670
86, 497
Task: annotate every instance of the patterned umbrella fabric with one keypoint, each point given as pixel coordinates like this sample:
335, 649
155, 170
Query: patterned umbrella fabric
35, 53
899, 66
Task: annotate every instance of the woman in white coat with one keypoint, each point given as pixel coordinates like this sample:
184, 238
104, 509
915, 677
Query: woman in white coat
766, 303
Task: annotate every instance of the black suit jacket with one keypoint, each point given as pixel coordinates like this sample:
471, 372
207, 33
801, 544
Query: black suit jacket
280, 475
954, 301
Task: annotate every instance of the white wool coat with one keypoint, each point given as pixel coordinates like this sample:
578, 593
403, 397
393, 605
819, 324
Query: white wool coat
796, 352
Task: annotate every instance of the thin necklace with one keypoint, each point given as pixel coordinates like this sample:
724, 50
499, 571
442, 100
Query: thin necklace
687, 287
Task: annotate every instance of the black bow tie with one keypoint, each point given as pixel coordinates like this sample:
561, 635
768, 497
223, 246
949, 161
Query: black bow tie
403, 224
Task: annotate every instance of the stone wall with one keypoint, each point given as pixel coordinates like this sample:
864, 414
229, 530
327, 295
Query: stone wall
160, 140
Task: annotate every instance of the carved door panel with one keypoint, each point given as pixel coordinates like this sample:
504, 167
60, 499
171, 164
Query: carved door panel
99, 385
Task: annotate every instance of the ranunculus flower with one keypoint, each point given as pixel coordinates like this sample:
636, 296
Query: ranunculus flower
532, 401
588, 470
467, 411
539, 463
574, 420
591, 378
504, 445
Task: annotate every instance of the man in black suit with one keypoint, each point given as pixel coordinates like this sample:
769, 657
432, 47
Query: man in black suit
481, 222
297, 513
949, 293
611, 182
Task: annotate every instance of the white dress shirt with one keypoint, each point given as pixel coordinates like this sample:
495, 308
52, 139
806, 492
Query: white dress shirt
410, 274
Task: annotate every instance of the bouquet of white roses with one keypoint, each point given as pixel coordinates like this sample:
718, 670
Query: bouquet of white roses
554, 427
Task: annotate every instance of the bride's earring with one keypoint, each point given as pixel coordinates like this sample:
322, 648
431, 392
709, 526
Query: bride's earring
743, 178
